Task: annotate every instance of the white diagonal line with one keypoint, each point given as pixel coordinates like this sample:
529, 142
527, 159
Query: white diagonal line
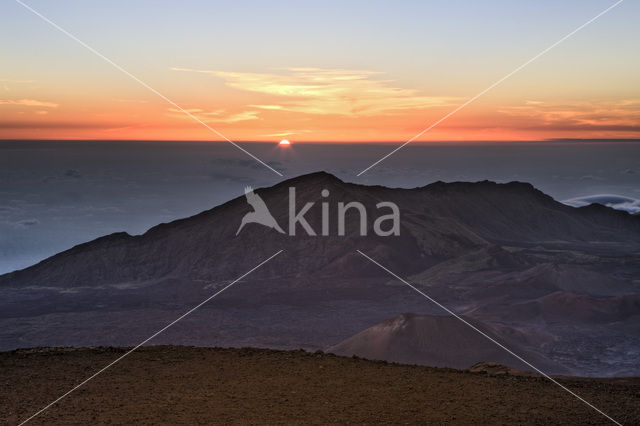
490, 338
118, 67
150, 337
459, 107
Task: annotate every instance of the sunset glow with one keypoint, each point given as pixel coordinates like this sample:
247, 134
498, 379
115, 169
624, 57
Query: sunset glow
582, 89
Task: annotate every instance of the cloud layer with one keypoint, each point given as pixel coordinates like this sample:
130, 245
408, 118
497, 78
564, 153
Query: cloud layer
215, 116
28, 103
621, 115
327, 91
617, 202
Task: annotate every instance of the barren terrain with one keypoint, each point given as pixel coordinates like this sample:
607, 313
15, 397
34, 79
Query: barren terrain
556, 283
186, 385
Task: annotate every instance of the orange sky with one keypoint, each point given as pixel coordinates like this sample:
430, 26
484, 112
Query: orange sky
342, 89
306, 104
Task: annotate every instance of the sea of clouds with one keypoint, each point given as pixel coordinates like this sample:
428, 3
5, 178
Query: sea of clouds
56, 194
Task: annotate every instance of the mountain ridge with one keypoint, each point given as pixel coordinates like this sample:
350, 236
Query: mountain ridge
318, 178
560, 281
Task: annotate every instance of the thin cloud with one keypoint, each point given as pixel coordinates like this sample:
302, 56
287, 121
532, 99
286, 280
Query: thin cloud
603, 115
29, 103
43, 124
215, 116
328, 91
132, 101
9, 80
268, 107
288, 133
27, 223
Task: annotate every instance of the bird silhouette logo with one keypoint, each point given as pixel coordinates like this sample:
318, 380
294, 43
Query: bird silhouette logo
260, 213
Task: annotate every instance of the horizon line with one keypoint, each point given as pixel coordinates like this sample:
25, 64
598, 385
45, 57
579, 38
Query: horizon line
320, 142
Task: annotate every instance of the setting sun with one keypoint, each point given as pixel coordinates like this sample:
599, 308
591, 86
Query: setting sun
284, 142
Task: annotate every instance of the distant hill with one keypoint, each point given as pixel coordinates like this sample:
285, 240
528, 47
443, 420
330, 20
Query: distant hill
440, 341
557, 281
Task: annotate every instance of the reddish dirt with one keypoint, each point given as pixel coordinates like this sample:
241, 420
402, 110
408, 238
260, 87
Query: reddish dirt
184, 385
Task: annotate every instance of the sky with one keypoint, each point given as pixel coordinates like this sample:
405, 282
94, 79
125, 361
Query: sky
319, 71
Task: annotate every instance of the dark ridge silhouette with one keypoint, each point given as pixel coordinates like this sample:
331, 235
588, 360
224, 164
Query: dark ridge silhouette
462, 215
559, 282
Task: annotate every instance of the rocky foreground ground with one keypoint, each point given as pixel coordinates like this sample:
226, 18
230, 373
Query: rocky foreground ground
186, 385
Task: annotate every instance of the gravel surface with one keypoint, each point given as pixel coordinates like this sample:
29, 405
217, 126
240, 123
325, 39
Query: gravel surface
187, 385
